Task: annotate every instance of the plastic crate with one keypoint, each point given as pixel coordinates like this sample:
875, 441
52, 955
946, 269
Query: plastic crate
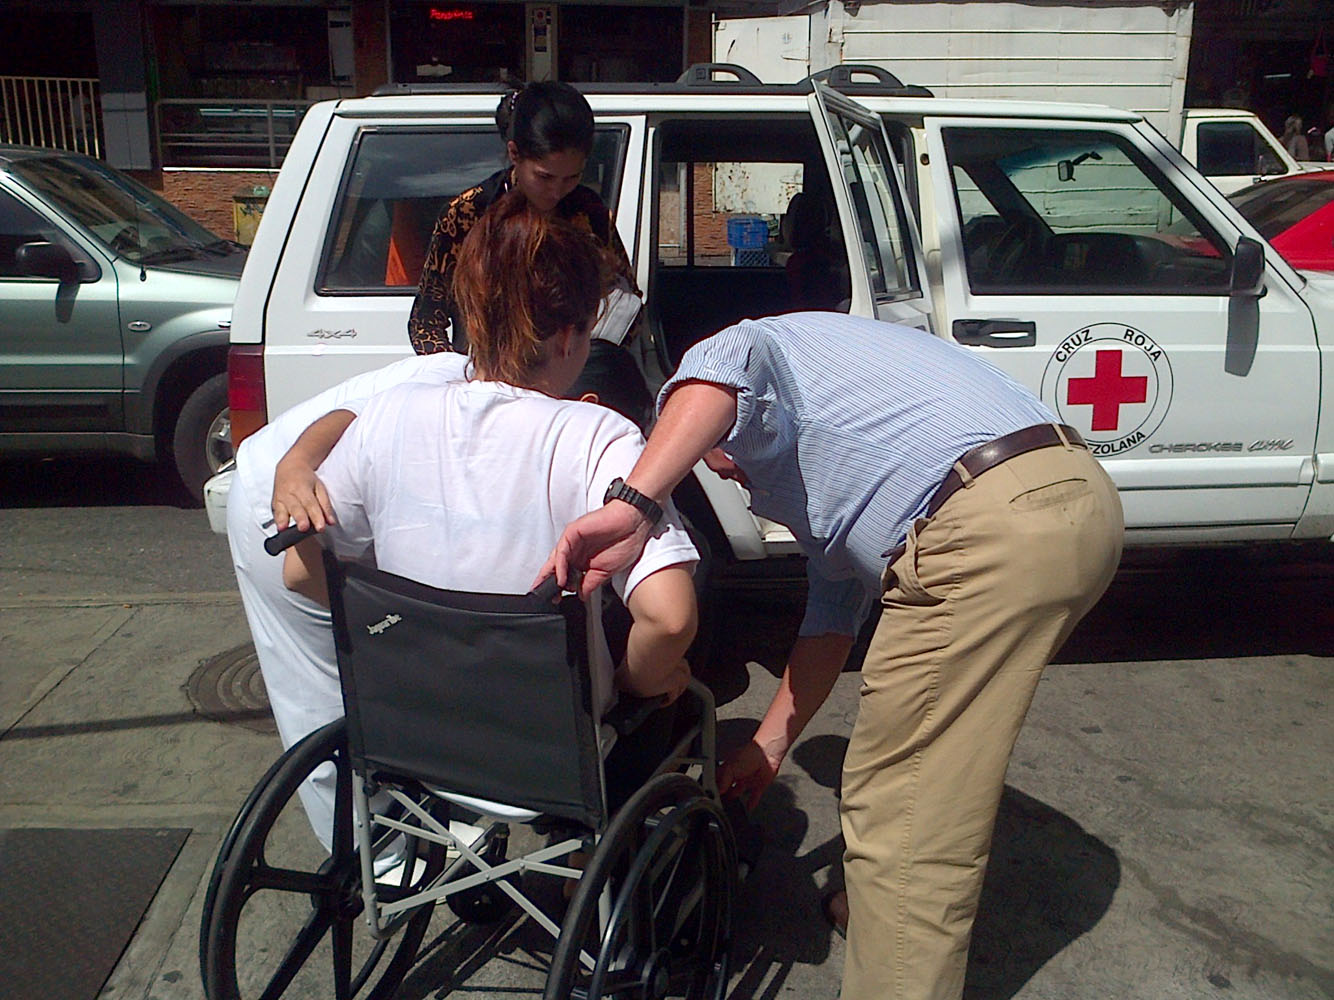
750, 258
747, 232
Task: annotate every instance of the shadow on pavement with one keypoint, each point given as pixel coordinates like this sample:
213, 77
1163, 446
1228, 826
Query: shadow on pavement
1048, 882
777, 923
92, 481
1211, 603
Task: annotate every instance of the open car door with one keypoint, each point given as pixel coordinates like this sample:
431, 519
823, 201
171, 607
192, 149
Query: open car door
881, 235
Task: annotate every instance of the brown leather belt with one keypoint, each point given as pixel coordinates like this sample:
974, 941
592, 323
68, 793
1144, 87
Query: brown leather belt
978, 460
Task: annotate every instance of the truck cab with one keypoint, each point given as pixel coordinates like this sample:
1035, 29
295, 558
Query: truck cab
1234, 149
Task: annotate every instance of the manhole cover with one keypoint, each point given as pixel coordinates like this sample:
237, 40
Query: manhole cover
228, 688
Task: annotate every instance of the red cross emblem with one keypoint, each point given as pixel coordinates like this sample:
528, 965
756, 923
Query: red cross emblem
1107, 390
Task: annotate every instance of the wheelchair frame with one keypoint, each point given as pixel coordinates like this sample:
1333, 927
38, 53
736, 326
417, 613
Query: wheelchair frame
671, 837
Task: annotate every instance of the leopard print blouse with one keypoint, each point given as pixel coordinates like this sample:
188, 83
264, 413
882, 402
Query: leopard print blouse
433, 307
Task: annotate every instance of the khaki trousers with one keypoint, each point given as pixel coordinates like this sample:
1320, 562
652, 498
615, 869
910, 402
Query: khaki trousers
986, 592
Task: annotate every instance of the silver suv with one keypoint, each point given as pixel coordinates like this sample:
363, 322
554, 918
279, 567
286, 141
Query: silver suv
114, 317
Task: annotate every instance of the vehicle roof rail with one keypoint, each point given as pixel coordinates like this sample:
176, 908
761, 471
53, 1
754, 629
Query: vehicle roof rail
852, 78
705, 75
408, 89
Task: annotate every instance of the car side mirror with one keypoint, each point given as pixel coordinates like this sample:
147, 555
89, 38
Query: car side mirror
1065, 170
46, 260
1248, 268
1243, 307
1270, 166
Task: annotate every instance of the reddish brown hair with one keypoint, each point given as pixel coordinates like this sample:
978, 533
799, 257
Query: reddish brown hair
522, 277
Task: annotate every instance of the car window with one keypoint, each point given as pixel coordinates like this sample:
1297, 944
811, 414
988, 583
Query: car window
744, 225
1229, 149
397, 183
118, 211
1278, 205
19, 224
1071, 211
880, 213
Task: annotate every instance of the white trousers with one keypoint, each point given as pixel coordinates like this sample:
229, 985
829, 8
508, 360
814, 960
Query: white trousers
294, 642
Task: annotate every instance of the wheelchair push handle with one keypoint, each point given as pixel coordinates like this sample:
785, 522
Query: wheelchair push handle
286, 538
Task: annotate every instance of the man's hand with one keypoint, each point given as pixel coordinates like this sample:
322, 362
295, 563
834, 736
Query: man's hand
601, 543
747, 772
299, 497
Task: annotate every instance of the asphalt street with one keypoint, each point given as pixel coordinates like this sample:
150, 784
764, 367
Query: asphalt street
1167, 829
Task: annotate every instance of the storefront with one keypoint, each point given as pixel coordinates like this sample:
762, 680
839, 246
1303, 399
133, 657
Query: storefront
1273, 57
435, 42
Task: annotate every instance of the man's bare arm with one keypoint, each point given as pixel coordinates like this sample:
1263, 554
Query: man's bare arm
303, 571
812, 668
696, 417
298, 495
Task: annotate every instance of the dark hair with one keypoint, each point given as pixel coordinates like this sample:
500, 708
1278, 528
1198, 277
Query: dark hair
612, 373
521, 278
545, 118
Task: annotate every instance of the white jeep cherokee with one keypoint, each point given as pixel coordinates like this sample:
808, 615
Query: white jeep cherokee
1070, 245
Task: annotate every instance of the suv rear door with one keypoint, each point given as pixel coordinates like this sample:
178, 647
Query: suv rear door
1075, 259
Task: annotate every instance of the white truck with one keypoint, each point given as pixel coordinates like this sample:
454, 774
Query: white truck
1071, 246
1123, 55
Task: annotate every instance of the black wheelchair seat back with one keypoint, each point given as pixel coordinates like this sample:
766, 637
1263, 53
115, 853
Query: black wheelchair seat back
485, 695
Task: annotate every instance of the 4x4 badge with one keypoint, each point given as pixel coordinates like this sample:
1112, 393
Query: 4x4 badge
1112, 382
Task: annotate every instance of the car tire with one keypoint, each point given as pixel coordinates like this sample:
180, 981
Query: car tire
201, 441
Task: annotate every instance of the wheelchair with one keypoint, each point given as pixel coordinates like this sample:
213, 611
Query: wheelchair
466, 714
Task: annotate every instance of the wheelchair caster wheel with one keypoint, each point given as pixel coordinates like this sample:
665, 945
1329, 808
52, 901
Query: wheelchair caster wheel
483, 904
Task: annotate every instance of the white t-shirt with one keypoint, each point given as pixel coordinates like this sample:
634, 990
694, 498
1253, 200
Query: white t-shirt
468, 486
258, 455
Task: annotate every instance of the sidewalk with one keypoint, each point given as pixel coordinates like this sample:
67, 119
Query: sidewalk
101, 734
1165, 831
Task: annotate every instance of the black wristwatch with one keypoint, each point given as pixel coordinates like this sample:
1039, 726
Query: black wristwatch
618, 490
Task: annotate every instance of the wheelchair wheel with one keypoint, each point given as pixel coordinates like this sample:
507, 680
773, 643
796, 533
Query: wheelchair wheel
285, 918
669, 862
224, 852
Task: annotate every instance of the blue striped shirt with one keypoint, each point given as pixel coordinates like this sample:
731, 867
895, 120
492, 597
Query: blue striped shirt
845, 428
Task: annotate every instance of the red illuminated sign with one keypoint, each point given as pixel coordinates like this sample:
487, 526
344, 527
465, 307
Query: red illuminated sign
450, 14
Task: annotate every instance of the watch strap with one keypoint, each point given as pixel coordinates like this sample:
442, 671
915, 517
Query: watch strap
646, 505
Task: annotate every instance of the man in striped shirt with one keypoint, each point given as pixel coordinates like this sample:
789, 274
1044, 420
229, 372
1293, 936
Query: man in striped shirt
911, 472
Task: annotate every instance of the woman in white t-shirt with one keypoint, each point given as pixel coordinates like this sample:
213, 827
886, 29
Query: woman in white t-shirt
467, 486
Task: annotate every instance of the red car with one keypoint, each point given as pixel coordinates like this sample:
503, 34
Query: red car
1296, 215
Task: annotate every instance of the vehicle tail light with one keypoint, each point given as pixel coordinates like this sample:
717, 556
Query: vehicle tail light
245, 390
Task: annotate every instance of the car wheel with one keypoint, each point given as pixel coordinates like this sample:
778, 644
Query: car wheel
202, 440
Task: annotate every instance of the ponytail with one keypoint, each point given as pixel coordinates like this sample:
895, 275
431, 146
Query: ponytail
544, 118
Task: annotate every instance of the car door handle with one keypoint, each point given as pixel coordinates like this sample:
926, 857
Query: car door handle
996, 332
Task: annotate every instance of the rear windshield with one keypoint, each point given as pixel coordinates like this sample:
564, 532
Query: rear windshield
1276, 207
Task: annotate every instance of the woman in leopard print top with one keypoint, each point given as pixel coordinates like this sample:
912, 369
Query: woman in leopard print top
548, 128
